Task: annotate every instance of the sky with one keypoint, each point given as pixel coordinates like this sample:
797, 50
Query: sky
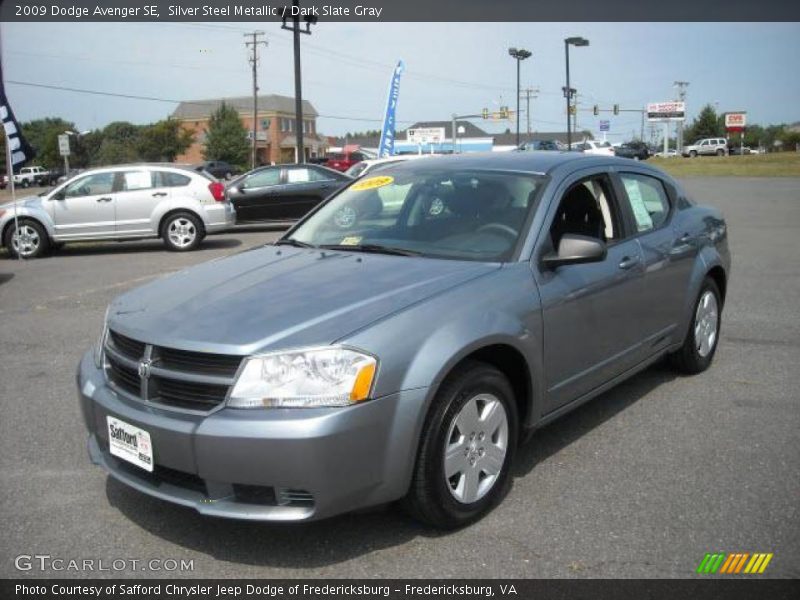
450, 68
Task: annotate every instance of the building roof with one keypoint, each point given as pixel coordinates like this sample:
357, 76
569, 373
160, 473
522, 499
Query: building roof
199, 109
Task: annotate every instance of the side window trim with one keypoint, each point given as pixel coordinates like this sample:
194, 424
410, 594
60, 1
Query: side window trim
634, 232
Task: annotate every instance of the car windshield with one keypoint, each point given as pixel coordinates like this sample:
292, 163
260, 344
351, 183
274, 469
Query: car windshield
464, 215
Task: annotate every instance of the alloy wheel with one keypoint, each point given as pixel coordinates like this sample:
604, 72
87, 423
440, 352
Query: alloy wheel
181, 232
26, 240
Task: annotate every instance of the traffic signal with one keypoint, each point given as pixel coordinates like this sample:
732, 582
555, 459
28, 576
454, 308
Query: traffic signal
485, 113
503, 112
596, 110
572, 110
616, 109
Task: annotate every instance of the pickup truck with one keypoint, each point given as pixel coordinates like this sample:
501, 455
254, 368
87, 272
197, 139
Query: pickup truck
29, 176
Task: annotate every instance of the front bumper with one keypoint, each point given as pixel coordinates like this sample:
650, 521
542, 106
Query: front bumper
268, 465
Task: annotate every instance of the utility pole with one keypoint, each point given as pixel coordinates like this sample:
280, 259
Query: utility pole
529, 93
294, 15
253, 46
681, 85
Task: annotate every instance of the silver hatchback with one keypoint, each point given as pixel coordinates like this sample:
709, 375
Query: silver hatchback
177, 204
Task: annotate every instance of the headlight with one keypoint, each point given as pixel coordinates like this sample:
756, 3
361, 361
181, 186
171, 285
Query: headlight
331, 376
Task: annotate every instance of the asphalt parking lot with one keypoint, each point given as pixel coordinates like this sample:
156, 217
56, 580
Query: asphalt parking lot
641, 482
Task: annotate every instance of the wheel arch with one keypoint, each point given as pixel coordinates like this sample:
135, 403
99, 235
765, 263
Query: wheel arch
174, 211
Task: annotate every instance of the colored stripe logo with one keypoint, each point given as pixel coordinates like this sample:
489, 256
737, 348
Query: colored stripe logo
732, 563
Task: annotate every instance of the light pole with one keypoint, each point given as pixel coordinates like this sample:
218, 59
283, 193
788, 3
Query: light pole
518, 54
298, 86
571, 41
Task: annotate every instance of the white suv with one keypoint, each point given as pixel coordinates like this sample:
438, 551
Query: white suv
707, 146
595, 147
122, 202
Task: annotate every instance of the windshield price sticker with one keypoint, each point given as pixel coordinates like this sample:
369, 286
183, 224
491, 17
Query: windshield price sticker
372, 182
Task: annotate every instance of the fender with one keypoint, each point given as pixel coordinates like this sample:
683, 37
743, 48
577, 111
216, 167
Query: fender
184, 203
31, 208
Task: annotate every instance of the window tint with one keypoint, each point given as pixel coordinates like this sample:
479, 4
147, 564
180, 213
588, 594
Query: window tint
91, 185
170, 179
263, 178
136, 180
317, 175
648, 200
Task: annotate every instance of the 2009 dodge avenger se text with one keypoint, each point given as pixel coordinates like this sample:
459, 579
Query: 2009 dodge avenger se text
400, 340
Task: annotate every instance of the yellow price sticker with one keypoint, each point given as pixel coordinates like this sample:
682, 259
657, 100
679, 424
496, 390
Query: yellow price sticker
353, 240
370, 183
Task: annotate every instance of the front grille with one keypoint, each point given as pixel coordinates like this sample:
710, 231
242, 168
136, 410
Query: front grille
124, 377
127, 346
198, 362
176, 378
182, 394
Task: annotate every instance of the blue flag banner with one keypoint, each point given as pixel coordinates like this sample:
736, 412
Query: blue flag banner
20, 152
386, 147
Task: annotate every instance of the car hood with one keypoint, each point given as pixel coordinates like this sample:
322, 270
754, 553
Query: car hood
279, 297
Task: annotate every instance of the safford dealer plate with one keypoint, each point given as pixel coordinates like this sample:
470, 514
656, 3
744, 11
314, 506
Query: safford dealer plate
130, 443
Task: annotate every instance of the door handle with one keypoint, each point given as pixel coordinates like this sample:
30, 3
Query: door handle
159, 194
628, 262
685, 238
104, 199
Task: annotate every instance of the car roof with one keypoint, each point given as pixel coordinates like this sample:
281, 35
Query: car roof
534, 162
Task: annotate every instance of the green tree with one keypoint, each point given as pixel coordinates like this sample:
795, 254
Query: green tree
226, 138
163, 141
119, 144
706, 124
42, 135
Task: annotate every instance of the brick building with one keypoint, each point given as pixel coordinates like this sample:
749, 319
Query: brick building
275, 135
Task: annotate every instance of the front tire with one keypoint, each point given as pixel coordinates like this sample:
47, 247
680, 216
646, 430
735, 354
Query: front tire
467, 448
30, 241
701, 341
182, 232
692, 154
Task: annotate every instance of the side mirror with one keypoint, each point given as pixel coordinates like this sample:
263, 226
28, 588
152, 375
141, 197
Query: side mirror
575, 249
59, 195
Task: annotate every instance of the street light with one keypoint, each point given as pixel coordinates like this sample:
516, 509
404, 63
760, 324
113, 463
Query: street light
77, 135
568, 91
519, 55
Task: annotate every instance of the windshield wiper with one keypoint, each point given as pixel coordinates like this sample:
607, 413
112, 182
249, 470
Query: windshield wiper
293, 242
372, 248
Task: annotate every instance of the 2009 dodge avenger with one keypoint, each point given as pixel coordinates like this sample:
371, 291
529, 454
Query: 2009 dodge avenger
399, 341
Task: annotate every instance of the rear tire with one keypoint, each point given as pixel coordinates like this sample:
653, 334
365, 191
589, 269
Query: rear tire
467, 448
32, 242
702, 338
182, 232
720, 152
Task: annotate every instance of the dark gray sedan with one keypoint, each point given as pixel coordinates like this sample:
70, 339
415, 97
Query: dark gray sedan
400, 340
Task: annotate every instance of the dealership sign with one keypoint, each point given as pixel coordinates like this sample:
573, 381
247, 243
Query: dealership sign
666, 111
425, 135
735, 121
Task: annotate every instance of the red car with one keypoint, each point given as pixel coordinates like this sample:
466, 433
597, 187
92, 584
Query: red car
341, 161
